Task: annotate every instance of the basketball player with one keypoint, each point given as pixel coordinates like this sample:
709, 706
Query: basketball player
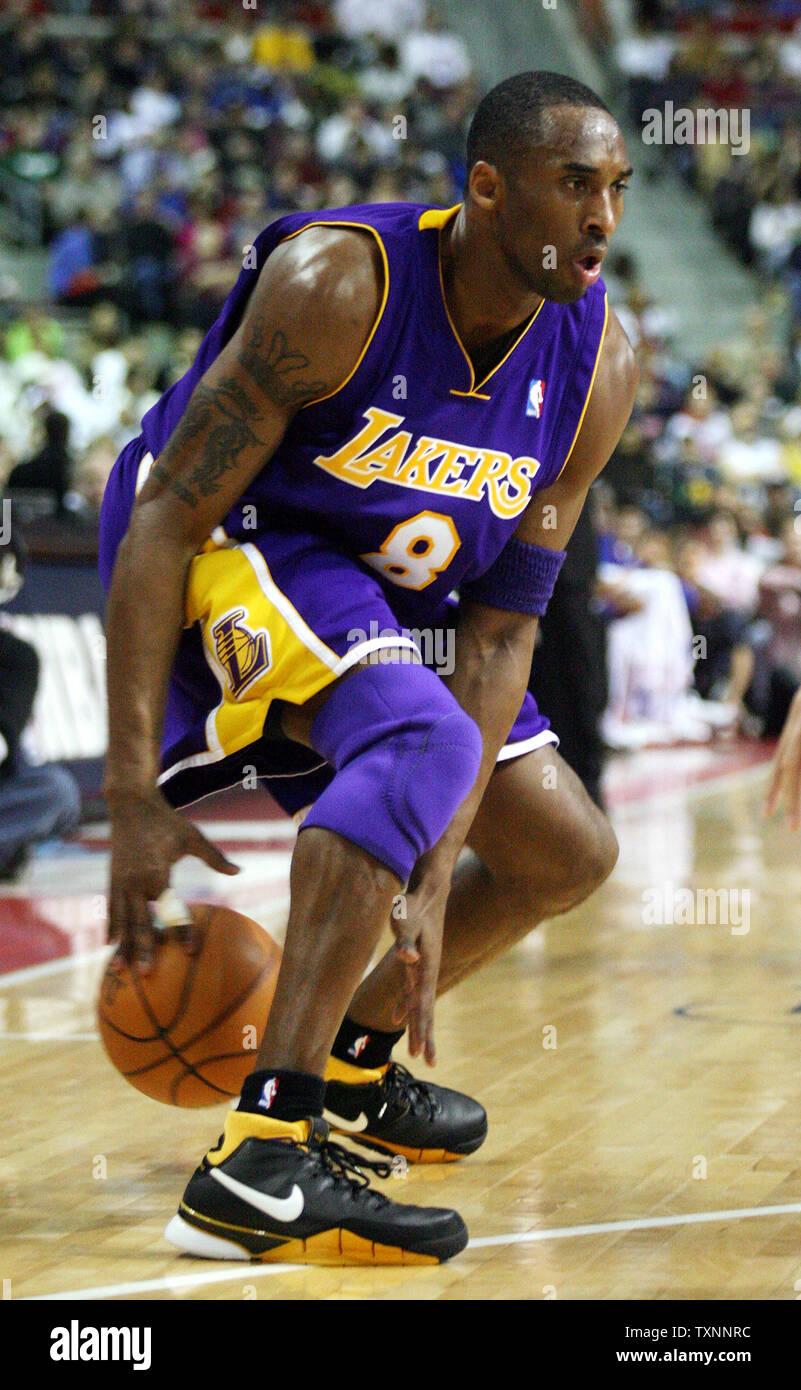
397, 402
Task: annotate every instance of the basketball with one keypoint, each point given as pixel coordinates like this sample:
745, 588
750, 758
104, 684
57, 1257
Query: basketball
187, 1034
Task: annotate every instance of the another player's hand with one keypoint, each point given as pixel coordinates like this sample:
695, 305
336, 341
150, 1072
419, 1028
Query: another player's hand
418, 943
147, 838
785, 782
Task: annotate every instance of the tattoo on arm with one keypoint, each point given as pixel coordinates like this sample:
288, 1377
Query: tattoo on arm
267, 365
222, 420
160, 472
219, 443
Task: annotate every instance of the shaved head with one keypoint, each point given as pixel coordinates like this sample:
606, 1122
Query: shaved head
514, 116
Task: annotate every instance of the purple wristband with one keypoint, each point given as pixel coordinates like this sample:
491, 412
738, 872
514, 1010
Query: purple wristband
522, 578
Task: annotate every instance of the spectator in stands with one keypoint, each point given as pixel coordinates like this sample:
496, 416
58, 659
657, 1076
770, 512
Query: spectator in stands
649, 661
351, 137
432, 53
207, 266
36, 803
650, 652
83, 184
724, 654
91, 476
777, 671
644, 56
775, 226
753, 452
148, 249
727, 571
49, 471
700, 421
756, 538
618, 534
83, 267
359, 18
35, 331
654, 549
383, 79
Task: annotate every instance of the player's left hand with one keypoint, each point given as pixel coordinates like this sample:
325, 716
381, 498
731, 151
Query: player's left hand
418, 943
785, 782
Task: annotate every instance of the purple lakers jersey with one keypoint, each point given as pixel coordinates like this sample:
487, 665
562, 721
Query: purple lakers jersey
412, 466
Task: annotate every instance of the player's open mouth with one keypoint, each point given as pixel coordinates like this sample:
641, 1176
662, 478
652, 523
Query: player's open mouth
589, 267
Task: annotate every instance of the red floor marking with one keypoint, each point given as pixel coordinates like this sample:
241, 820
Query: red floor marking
631, 778
27, 938
49, 927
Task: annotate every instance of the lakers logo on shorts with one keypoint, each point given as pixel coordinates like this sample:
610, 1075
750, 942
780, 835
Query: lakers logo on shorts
244, 654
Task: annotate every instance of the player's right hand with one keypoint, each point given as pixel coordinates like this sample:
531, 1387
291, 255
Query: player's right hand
147, 838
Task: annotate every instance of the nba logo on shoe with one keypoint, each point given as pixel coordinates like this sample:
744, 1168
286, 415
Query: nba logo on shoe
536, 395
268, 1093
356, 1049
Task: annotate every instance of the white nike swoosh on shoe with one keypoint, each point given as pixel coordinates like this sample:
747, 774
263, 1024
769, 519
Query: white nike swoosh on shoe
350, 1126
279, 1208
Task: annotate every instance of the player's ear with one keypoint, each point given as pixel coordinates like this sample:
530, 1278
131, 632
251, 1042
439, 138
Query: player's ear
485, 184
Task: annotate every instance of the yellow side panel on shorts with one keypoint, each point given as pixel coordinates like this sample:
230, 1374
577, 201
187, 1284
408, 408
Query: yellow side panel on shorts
257, 652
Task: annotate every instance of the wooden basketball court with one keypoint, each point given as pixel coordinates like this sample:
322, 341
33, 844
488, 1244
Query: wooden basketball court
639, 1066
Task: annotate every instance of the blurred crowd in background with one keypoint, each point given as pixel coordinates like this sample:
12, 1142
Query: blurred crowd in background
156, 138
705, 485
146, 145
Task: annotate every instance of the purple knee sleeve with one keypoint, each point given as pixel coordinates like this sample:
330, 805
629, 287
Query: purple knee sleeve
406, 756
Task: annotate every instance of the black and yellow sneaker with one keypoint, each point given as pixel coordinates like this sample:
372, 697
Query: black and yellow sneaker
390, 1110
272, 1190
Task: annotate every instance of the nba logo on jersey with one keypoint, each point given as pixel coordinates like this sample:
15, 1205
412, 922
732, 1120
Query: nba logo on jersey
268, 1093
536, 395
